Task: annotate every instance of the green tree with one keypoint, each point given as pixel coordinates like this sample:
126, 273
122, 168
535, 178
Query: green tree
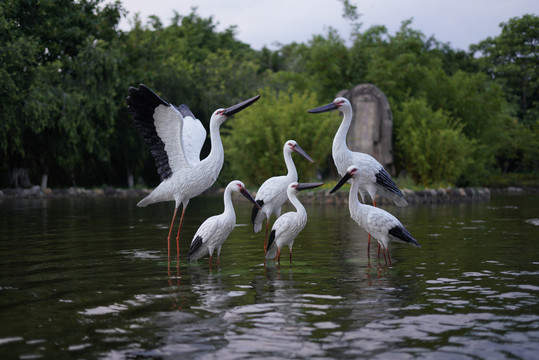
512, 59
67, 53
431, 144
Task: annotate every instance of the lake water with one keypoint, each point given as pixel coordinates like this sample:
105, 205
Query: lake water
89, 278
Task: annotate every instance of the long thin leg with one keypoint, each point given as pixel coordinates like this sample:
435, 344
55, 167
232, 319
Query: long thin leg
290, 255
266, 237
389, 257
369, 244
369, 247
279, 255
384, 252
170, 230
178, 236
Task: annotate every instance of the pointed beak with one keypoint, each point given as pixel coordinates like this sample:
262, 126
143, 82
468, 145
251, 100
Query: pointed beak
305, 186
248, 195
321, 109
239, 107
302, 152
343, 181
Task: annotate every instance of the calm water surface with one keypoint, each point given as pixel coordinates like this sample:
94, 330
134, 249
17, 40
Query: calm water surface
88, 278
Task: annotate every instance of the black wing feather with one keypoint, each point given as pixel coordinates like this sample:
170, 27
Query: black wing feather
185, 111
141, 103
271, 239
255, 211
401, 233
195, 245
384, 179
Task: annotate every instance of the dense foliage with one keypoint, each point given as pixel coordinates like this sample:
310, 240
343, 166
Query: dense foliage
460, 117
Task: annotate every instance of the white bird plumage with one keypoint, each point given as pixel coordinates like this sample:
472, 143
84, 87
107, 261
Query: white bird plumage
175, 138
287, 227
383, 226
272, 194
214, 231
374, 178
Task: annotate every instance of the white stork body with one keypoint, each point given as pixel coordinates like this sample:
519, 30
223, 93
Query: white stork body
287, 227
214, 231
176, 137
383, 226
374, 178
272, 194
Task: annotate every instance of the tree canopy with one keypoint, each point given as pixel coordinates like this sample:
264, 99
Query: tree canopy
65, 68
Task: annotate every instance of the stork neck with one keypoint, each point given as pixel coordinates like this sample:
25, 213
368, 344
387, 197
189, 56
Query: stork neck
290, 166
300, 209
227, 200
217, 151
339, 141
353, 200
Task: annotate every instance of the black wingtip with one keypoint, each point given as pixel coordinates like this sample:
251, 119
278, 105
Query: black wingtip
185, 111
195, 245
141, 103
271, 239
255, 211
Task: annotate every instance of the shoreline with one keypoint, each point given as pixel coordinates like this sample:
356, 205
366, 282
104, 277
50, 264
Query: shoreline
427, 196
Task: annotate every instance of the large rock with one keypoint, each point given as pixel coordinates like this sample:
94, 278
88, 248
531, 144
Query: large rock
372, 126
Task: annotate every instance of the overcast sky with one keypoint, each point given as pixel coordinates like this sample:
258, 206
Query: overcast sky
267, 22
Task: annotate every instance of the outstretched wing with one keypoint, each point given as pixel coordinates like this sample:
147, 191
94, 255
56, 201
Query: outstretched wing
193, 136
160, 124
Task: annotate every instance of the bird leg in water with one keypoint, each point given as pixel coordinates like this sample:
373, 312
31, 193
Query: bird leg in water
170, 230
384, 251
178, 236
266, 237
369, 242
290, 256
369, 247
279, 256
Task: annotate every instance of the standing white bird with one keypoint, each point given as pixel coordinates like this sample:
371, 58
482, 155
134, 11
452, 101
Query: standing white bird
383, 226
214, 231
272, 193
175, 138
374, 178
287, 227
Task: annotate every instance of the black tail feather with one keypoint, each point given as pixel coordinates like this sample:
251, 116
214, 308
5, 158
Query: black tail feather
271, 239
403, 235
255, 211
195, 245
384, 179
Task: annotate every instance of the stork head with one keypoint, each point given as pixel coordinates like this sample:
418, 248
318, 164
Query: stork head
221, 115
292, 146
335, 105
352, 171
238, 186
296, 187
